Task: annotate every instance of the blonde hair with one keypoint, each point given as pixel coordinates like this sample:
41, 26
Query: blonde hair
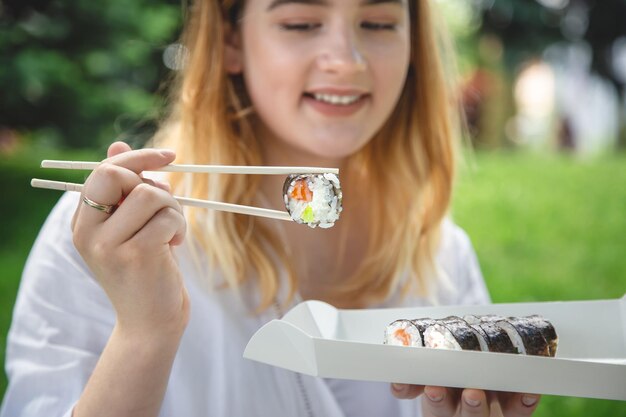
408, 166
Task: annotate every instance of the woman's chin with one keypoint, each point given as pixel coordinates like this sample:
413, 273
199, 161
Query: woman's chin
332, 151
332, 147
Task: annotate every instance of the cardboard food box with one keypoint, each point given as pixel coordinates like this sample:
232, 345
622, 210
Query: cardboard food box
317, 339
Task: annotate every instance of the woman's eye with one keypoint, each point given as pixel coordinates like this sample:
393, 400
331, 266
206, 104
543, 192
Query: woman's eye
300, 27
378, 26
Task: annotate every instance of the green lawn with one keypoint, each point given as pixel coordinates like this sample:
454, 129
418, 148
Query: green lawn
545, 228
548, 228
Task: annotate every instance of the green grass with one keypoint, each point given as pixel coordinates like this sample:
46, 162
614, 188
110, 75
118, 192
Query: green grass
548, 228
545, 228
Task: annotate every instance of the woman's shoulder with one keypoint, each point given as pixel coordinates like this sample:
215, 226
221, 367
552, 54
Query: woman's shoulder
454, 240
463, 281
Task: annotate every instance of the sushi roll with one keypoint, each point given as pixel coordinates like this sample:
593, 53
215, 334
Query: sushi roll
483, 337
403, 333
532, 335
313, 199
527, 339
547, 330
471, 319
451, 333
423, 324
497, 339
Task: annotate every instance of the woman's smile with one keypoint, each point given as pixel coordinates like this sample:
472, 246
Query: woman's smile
336, 102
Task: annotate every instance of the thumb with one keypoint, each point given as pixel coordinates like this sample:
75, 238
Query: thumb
117, 148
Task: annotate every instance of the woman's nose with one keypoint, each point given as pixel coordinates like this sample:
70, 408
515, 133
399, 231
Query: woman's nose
341, 54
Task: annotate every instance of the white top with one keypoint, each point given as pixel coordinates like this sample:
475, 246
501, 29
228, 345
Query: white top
62, 321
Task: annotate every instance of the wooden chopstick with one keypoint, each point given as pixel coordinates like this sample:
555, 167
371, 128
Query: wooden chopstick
185, 201
206, 169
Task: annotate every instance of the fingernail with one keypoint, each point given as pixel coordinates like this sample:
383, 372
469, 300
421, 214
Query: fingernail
434, 396
397, 388
529, 400
168, 153
472, 402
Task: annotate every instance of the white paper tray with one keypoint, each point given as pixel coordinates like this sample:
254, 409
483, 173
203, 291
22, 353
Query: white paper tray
316, 339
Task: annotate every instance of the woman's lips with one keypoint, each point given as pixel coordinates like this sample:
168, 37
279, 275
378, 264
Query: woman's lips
335, 109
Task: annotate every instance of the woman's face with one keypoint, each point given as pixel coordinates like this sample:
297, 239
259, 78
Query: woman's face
324, 75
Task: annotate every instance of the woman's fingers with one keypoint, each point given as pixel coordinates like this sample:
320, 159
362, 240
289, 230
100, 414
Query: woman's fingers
440, 401
114, 149
140, 205
165, 186
406, 391
143, 159
474, 403
116, 177
103, 183
107, 185
518, 404
117, 148
166, 227
448, 402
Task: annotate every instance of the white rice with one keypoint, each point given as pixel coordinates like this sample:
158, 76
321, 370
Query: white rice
325, 204
408, 328
439, 337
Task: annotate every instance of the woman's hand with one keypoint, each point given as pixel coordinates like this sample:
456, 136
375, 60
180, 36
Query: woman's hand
130, 251
448, 402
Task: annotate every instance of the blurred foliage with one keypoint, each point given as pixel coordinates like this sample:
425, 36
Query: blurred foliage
496, 39
527, 27
82, 73
78, 73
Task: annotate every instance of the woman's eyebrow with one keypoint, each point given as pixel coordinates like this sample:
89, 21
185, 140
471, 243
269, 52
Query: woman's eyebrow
276, 3
370, 2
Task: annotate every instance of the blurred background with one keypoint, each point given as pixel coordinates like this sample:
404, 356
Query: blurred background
542, 194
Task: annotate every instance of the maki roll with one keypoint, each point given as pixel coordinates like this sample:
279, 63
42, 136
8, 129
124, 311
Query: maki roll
497, 340
403, 333
532, 335
481, 335
471, 319
313, 199
422, 325
451, 333
407, 332
547, 330
526, 338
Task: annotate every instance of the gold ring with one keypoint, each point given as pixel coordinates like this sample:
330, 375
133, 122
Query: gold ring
105, 208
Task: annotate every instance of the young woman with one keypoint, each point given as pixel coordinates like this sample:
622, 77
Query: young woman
146, 310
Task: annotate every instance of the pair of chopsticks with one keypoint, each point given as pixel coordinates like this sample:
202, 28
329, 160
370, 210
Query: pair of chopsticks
186, 201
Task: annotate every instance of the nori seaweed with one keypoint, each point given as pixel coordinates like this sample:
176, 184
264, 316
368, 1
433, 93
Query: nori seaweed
534, 341
461, 332
547, 330
497, 339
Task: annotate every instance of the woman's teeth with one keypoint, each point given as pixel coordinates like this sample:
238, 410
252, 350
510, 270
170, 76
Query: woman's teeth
335, 99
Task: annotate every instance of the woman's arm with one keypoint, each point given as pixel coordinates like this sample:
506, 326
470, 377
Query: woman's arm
131, 376
130, 253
